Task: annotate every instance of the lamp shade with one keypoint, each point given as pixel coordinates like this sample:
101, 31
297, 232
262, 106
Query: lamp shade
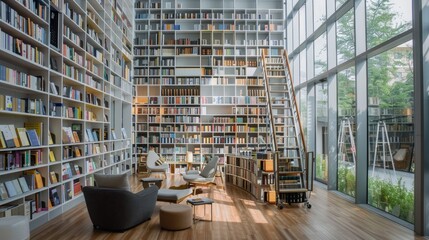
189, 156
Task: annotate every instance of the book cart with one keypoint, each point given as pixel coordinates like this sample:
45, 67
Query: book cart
294, 179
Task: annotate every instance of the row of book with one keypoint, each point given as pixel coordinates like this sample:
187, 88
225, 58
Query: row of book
28, 208
9, 15
21, 79
31, 180
73, 15
72, 72
29, 135
180, 92
21, 48
20, 159
68, 171
70, 53
25, 105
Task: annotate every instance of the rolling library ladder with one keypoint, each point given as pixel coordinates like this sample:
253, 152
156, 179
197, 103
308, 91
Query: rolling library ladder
292, 177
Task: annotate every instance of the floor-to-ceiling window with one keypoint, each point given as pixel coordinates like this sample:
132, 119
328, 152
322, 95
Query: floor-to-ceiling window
346, 108
346, 131
391, 131
390, 110
366, 47
322, 132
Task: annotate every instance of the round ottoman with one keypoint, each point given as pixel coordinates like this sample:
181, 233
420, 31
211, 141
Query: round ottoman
15, 228
175, 217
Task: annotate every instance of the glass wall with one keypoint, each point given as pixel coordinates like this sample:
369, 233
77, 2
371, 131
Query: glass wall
320, 55
386, 19
380, 31
322, 132
346, 131
319, 10
391, 131
346, 37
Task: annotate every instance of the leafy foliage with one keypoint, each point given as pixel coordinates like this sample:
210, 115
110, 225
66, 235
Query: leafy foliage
392, 198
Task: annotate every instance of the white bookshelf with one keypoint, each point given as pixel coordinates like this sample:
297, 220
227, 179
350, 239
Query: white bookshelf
91, 69
206, 51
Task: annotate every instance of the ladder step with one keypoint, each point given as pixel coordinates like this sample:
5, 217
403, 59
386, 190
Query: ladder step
293, 190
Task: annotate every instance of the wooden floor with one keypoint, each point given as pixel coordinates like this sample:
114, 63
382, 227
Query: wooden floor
237, 216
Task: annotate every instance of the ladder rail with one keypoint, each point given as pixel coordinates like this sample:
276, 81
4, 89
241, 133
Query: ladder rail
270, 107
292, 91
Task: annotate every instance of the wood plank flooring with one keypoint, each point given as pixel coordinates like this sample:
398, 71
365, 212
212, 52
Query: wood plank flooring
236, 215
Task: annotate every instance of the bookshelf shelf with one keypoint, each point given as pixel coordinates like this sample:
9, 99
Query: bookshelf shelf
212, 47
66, 85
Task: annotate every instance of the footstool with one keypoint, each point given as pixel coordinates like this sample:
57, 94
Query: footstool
147, 182
175, 217
16, 227
173, 195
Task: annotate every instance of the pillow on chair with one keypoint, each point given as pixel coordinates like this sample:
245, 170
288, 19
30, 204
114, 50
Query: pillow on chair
159, 162
209, 170
117, 181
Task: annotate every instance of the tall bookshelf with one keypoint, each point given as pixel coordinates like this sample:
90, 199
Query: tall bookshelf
67, 69
197, 82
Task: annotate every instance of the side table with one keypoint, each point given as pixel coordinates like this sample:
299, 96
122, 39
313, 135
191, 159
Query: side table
201, 201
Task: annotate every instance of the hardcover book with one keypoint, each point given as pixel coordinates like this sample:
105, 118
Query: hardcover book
33, 138
23, 139
52, 156
2, 141
8, 103
24, 185
14, 135
17, 186
38, 127
124, 133
10, 189
3, 192
55, 198
53, 177
8, 136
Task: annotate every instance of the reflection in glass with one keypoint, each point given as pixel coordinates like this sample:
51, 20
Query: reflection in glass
322, 132
302, 24
339, 3
319, 7
346, 37
303, 66
391, 132
320, 55
386, 19
347, 131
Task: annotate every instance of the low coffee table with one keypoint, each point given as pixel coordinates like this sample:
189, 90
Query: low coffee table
147, 182
202, 201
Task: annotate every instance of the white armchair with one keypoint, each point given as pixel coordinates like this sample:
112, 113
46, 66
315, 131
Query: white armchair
152, 157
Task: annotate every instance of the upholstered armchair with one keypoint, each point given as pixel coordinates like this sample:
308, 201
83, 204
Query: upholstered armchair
111, 206
152, 158
207, 176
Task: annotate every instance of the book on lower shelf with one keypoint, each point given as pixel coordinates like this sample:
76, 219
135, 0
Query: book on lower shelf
54, 197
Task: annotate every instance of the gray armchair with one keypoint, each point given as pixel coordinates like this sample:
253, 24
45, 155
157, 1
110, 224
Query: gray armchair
207, 176
117, 209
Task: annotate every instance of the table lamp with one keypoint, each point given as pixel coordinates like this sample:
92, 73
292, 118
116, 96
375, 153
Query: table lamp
189, 159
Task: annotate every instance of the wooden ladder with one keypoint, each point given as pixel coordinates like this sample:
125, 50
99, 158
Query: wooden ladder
286, 128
